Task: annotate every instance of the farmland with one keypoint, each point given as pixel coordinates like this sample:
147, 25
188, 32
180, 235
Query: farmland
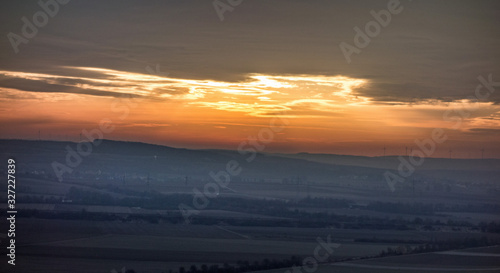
466, 260
117, 217
156, 244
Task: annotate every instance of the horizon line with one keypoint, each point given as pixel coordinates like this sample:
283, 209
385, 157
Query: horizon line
235, 150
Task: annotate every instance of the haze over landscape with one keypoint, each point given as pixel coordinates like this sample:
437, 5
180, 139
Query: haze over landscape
228, 136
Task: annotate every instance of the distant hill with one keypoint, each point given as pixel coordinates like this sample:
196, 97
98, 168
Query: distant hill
140, 158
118, 158
392, 162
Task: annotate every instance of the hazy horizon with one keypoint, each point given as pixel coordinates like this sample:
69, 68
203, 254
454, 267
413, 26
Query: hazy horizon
389, 153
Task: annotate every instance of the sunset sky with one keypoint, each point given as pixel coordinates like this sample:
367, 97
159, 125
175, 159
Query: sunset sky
173, 73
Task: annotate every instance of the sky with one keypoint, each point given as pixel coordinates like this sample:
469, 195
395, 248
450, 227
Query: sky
208, 74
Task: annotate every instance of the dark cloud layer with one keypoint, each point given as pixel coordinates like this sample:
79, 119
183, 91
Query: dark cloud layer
40, 86
431, 50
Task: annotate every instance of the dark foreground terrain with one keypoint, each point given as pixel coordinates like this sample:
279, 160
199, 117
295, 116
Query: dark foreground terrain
133, 206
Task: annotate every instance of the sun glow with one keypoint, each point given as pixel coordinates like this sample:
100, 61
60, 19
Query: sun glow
257, 95
328, 109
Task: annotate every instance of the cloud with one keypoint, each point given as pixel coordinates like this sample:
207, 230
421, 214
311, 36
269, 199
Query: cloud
43, 86
256, 94
432, 50
485, 130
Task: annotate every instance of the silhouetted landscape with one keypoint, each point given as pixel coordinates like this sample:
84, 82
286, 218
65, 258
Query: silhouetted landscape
121, 208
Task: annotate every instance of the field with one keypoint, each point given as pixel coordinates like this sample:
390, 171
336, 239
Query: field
149, 247
118, 212
466, 260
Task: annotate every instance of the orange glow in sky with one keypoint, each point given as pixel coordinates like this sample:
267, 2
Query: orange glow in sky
325, 113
